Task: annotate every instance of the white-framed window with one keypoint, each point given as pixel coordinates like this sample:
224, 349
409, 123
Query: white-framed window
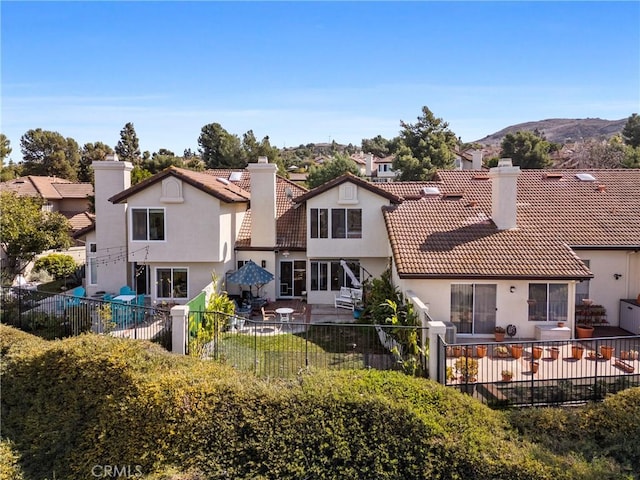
346, 223
92, 263
319, 223
171, 282
329, 274
148, 224
548, 302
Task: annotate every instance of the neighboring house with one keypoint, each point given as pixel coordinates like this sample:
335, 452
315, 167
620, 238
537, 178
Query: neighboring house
468, 159
517, 247
63, 196
474, 246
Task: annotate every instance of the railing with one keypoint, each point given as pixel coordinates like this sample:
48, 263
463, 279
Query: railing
53, 315
541, 372
283, 349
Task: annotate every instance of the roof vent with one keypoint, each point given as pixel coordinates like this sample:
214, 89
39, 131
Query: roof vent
480, 176
553, 175
452, 196
224, 181
235, 176
585, 177
430, 191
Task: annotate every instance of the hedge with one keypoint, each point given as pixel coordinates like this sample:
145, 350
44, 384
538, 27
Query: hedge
71, 405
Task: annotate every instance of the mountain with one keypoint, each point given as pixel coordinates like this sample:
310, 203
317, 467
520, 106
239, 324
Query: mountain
562, 130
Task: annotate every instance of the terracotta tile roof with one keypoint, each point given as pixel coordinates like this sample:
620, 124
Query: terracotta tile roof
49, 188
375, 188
291, 223
439, 238
79, 220
573, 211
225, 191
436, 236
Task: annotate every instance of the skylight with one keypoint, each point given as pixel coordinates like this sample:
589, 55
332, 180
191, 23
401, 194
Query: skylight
585, 177
235, 176
431, 191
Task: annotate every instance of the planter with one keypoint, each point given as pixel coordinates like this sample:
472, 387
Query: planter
583, 331
516, 351
467, 386
357, 312
536, 353
561, 324
506, 377
554, 353
577, 351
499, 336
481, 351
607, 351
456, 351
534, 367
624, 355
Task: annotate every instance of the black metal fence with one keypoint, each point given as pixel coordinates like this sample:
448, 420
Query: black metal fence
283, 349
541, 372
54, 315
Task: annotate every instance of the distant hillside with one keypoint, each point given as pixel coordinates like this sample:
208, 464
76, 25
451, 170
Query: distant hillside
562, 130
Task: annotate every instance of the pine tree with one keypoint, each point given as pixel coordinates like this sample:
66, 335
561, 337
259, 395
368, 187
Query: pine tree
128, 148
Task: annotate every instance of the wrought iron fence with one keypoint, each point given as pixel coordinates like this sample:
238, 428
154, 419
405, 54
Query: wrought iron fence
283, 349
53, 315
541, 372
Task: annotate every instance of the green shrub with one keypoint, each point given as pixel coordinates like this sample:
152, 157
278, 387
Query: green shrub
90, 400
9, 467
57, 264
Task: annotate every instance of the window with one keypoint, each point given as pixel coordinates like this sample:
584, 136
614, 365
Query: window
320, 270
346, 223
147, 224
582, 288
473, 307
171, 282
319, 223
92, 263
548, 302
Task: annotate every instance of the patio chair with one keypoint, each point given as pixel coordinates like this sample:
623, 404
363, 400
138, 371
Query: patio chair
268, 315
126, 290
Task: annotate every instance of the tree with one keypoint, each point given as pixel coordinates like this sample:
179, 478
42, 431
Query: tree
378, 146
219, 148
50, 154
600, 154
5, 147
128, 148
58, 265
526, 149
91, 152
27, 231
162, 159
339, 165
631, 131
431, 145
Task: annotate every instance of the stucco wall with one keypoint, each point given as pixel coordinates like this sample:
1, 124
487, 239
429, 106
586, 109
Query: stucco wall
374, 236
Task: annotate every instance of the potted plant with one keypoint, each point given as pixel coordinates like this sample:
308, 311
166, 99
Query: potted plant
554, 353
501, 351
607, 351
467, 367
577, 351
507, 375
499, 334
536, 353
481, 351
534, 367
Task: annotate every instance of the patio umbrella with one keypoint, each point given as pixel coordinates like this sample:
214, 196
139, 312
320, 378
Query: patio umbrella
251, 274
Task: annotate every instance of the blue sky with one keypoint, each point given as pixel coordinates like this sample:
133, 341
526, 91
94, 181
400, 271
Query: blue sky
305, 72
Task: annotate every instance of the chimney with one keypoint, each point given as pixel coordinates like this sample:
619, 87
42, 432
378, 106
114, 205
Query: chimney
476, 160
504, 193
368, 159
263, 203
111, 177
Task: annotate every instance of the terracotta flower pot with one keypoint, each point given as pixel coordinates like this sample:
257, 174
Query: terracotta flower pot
624, 355
499, 336
577, 351
536, 353
516, 351
534, 367
456, 351
481, 351
554, 353
606, 351
583, 331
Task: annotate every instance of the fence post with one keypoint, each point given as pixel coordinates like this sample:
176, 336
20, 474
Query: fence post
179, 326
435, 330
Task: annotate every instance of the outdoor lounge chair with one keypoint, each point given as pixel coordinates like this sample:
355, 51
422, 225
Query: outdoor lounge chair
268, 315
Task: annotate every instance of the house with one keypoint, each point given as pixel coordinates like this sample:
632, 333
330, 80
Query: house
71, 199
478, 248
512, 247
